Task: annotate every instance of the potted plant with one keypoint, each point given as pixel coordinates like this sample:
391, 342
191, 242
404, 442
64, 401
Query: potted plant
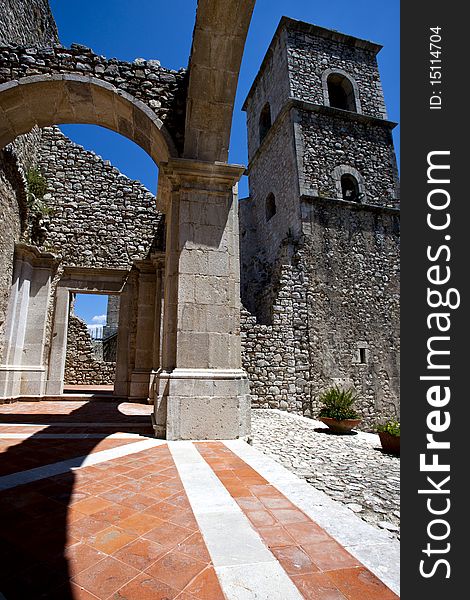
337, 411
389, 434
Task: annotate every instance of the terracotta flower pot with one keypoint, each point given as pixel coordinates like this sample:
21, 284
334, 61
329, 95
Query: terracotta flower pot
390, 443
340, 426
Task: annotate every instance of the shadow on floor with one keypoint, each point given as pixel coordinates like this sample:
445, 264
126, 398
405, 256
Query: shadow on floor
34, 516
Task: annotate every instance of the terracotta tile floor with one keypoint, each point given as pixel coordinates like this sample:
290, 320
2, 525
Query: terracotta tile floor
94, 534
78, 418
123, 529
319, 566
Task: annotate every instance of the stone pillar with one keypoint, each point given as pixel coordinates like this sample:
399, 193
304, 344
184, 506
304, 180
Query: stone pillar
58, 350
143, 358
23, 370
201, 384
126, 306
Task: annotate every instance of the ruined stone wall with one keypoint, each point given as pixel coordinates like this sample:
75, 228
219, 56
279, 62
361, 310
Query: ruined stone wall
337, 302
81, 364
100, 217
21, 22
27, 22
162, 90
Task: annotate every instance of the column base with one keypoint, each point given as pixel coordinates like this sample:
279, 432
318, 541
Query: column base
21, 380
202, 404
139, 387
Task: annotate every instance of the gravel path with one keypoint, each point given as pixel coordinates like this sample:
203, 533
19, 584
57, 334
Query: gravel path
351, 469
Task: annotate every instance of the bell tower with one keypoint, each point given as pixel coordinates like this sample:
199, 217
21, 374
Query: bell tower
323, 209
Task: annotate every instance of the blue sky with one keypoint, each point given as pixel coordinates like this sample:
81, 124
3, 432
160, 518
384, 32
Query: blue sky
163, 31
91, 308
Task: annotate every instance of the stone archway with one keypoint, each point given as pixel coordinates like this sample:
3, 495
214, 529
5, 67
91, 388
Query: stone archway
44, 100
200, 390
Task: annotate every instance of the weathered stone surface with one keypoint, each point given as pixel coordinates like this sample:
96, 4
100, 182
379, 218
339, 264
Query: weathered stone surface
100, 218
320, 275
25, 23
82, 364
351, 469
79, 67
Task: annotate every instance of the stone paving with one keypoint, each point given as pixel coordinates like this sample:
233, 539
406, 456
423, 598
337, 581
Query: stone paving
93, 507
351, 469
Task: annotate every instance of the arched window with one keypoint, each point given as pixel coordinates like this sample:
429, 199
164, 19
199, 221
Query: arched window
270, 207
350, 188
264, 122
341, 92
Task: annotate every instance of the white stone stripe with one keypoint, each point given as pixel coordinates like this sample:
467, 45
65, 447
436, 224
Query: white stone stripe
72, 464
374, 548
246, 568
91, 425
71, 436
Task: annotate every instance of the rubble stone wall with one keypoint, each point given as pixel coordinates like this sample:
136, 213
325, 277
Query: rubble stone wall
100, 218
81, 364
20, 23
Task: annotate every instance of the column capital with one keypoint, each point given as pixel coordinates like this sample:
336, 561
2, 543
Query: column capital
193, 174
36, 258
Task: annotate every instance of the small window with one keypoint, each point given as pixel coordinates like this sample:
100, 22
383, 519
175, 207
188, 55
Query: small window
341, 92
264, 122
270, 207
350, 188
362, 354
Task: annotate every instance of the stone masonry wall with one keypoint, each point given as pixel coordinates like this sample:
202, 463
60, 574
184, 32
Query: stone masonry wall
81, 365
27, 22
12, 224
310, 54
332, 140
271, 86
272, 171
275, 355
337, 293
21, 22
163, 90
352, 260
100, 217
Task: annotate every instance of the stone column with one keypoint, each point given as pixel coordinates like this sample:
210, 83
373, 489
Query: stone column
201, 385
143, 358
58, 350
23, 371
126, 307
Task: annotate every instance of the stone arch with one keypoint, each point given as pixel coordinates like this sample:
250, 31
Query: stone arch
346, 171
349, 81
46, 100
218, 43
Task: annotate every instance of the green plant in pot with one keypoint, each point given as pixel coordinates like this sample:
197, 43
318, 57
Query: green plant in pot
337, 410
389, 434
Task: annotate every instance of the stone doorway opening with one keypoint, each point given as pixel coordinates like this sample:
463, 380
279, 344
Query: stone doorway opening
92, 332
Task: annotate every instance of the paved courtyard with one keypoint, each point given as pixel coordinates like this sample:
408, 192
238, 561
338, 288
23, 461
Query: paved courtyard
351, 469
92, 506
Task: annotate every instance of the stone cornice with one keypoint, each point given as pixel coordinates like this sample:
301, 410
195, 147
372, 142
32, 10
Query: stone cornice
34, 256
310, 199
